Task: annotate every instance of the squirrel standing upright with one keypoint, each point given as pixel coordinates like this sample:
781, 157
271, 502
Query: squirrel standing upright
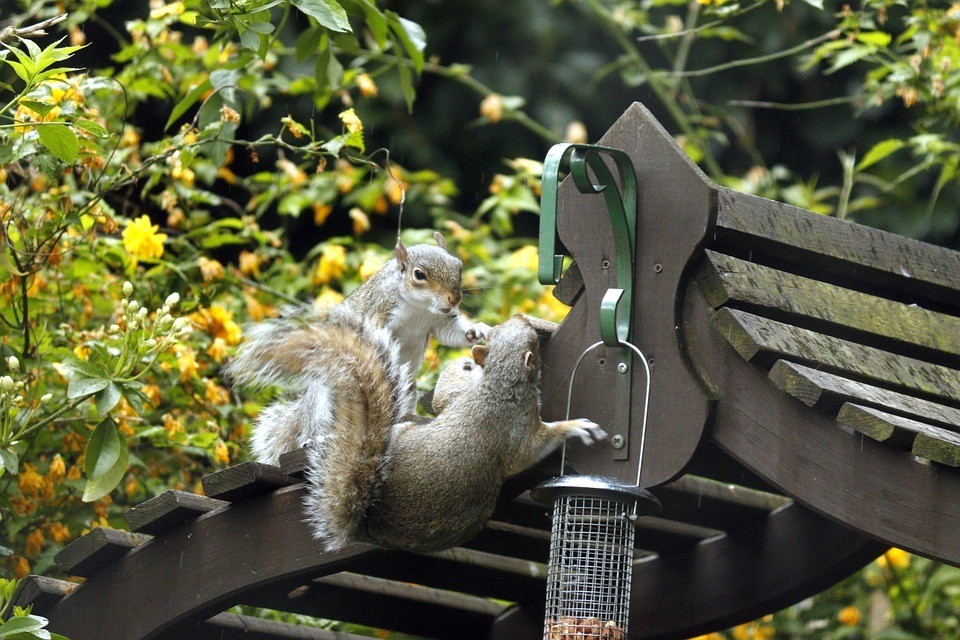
427, 487
384, 324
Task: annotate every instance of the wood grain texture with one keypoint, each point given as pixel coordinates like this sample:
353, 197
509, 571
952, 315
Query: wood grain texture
828, 392
676, 205
199, 568
168, 510
731, 279
837, 248
90, 552
294, 463
244, 480
803, 453
765, 341
570, 286
41, 593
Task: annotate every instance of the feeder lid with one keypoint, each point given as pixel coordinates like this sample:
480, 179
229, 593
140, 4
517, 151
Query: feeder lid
597, 487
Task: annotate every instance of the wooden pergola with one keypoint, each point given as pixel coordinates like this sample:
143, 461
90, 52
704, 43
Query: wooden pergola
804, 416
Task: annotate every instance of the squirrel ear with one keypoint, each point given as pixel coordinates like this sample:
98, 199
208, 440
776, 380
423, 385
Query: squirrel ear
479, 353
403, 258
528, 361
440, 241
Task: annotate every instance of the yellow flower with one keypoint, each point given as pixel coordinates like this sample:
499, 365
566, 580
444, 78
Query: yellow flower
896, 558
849, 616
217, 350
34, 543
186, 363
218, 322
172, 426
82, 351
140, 238
29, 481
368, 88
152, 391
172, 9
369, 267
491, 107
351, 120
21, 568
293, 172
74, 472
320, 213
328, 298
361, 222
58, 469
210, 269
214, 393
58, 532
131, 487
256, 310
220, 452
332, 264
249, 263
709, 636
525, 258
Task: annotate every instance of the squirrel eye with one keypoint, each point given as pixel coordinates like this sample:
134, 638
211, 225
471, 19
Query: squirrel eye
419, 275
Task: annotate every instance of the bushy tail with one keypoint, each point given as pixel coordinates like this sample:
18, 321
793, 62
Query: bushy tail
345, 387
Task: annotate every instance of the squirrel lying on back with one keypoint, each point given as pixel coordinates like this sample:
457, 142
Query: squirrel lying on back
426, 487
386, 321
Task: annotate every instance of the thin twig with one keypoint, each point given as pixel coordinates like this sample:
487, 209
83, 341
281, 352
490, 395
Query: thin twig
33, 30
798, 106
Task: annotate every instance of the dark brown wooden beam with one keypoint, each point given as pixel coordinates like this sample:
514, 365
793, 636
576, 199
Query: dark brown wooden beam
244, 481
168, 510
41, 593
90, 552
232, 626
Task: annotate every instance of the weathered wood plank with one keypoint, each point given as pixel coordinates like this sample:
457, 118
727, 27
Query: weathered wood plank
924, 440
169, 509
90, 552
716, 505
232, 626
727, 278
244, 481
760, 339
570, 286
828, 392
41, 593
849, 250
294, 463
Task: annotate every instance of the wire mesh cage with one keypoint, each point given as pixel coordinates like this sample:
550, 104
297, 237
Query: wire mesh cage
591, 555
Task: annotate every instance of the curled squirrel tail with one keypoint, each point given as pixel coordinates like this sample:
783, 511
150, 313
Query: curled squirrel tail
346, 461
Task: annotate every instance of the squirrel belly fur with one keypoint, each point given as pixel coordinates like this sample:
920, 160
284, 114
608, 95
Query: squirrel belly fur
428, 487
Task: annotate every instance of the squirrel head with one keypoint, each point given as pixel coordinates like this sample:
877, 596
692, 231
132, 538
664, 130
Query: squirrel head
458, 379
512, 349
431, 275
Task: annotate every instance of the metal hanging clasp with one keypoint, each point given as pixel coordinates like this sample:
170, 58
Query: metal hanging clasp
616, 306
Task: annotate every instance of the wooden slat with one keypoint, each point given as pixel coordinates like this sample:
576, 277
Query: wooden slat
384, 604
245, 480
41, 593
728, 278
90, 552
232, 626
849, 250
169, 509
294, 463
570, 286
828, 392
763, 340
924, 440
716, 505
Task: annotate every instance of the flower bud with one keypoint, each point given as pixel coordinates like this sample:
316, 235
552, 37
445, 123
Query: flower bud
114, 328
127, 289
13, 363
172, 300
6, 383
150, 343
133, 306
45, 398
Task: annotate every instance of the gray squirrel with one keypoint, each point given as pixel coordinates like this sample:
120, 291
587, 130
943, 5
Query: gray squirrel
426, 487
415, 295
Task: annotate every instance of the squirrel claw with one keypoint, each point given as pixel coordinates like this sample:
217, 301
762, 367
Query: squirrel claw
477, 332
588, 431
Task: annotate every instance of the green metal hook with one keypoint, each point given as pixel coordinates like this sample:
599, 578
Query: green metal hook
576, 159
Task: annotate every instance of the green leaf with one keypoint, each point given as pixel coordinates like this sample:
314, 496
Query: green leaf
107, 457
261, 27
85, 386
308, 43
880, 151
250, 40
410, 36
327, 12
9, 460
103, 448
60, 140
91, 127
43, 108
876, 38
376, 21
188, 101
107, 398
22, 625
406, 84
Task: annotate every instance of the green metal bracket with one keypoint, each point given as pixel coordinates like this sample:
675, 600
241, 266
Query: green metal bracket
579, 160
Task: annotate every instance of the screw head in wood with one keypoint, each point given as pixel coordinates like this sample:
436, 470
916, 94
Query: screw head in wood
622, 367
617, 441
657, 268
605, 265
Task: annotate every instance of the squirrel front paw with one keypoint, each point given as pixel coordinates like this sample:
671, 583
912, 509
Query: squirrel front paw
477, 332
588, 431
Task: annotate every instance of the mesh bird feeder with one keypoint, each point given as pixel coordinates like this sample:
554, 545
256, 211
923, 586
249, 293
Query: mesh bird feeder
594, 518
